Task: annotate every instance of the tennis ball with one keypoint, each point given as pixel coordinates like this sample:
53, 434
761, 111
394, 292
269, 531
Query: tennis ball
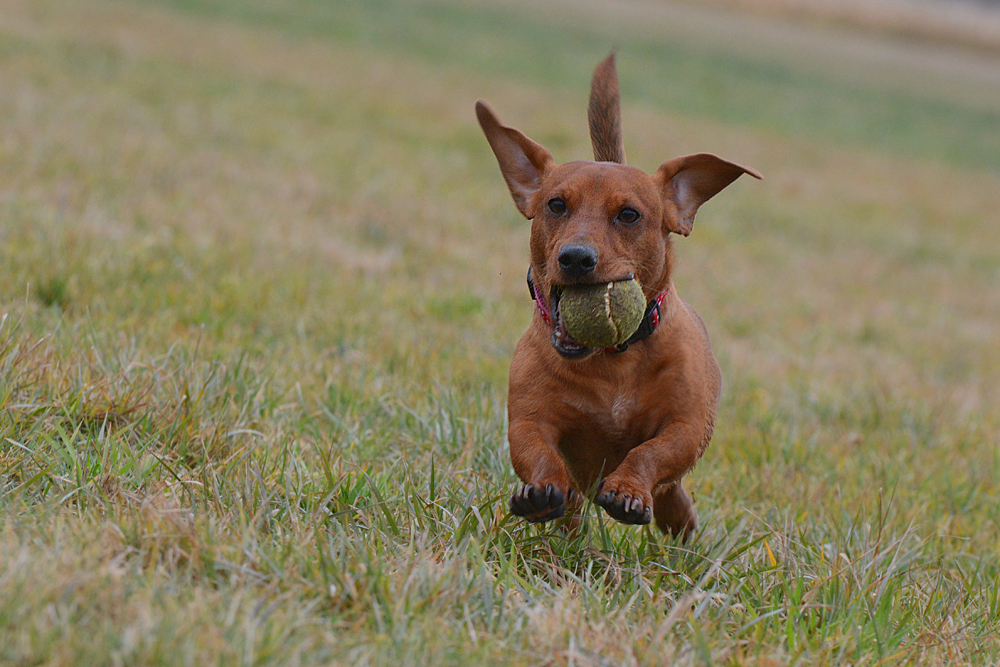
602, 315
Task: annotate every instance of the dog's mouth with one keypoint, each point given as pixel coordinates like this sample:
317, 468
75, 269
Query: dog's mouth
565, 345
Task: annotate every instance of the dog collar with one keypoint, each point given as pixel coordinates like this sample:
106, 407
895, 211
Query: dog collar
650, 319
539, 300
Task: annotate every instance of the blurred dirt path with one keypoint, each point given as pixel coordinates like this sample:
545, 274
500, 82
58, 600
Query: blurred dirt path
879, 59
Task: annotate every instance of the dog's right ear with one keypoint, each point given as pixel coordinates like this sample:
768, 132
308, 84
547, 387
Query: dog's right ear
522, 161
690, 181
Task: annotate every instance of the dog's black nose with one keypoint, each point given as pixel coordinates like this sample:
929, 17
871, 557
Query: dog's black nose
577, 261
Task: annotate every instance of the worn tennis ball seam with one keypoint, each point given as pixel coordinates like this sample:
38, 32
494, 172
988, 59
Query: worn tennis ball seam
607, 309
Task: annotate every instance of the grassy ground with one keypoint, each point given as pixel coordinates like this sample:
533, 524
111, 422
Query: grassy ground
260, 282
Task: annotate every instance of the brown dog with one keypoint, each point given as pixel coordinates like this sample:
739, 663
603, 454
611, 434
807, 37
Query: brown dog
634, 418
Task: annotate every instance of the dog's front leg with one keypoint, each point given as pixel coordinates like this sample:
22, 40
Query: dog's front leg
655, 466
547, 489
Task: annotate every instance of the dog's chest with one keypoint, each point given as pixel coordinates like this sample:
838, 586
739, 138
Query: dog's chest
623, 409
613, 415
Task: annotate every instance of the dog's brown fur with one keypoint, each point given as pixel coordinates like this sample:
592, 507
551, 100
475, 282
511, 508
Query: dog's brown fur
631, 423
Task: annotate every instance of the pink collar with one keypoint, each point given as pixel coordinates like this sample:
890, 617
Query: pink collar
540, 302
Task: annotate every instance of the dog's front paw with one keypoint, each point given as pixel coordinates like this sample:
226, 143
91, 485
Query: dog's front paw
621, 505
538, 503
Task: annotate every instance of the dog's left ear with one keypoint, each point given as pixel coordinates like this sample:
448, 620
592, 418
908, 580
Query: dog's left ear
690, 181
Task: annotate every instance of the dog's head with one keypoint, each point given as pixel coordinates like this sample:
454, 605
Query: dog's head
602, 221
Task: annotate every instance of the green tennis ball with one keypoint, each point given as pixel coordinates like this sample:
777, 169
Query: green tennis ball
602, 315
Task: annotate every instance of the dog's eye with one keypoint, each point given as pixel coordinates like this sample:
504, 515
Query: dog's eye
556, 206
628, 216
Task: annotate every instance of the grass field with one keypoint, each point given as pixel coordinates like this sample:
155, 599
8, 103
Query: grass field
260, 282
